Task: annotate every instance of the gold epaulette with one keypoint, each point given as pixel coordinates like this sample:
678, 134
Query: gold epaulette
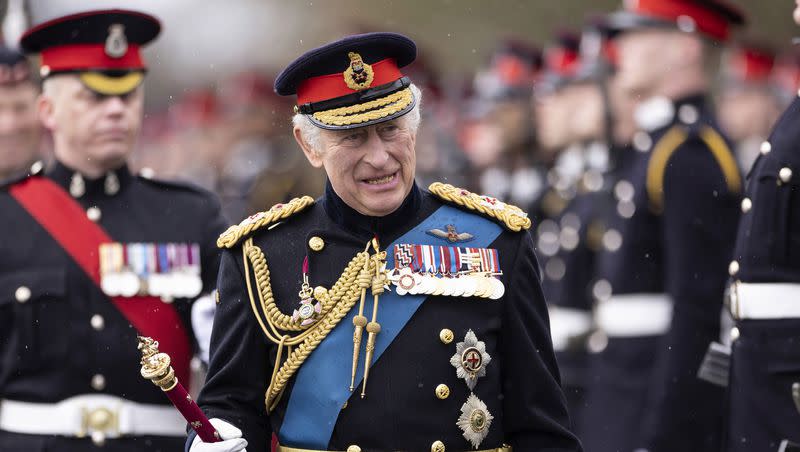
512, 217
276, 213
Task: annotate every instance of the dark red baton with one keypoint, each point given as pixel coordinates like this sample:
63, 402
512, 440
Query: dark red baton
156, 368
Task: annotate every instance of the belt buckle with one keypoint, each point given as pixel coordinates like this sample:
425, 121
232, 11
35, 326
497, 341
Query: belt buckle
99, 424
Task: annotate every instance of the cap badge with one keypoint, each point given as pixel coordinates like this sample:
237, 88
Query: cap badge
116, 43
358, 75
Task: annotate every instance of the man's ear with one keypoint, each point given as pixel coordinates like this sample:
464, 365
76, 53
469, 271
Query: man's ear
46, 111
311, 154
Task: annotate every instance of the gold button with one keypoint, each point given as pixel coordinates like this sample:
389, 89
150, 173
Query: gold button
316, 243
733, 268
353, 448
98, 382
94, 213
734, 333
98, 322
22, 294
442, 392
785, 174
446, 336
437, 446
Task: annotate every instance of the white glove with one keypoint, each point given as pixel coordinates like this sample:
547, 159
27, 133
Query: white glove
232, 436
203, 311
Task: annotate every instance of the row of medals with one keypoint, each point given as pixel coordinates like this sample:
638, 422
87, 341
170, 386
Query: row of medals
177, 284
476, 284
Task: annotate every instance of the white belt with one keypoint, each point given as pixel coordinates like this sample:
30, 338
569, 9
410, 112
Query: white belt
96, 415
634, 315
765, 300
567, 323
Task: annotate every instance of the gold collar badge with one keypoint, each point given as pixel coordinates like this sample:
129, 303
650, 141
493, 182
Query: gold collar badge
358, 75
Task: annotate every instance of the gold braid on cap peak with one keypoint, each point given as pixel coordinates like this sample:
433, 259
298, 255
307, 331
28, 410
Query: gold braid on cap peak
368, 111
512, 217
235, 233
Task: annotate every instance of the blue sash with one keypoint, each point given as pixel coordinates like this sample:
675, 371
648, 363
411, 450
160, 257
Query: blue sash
322, 384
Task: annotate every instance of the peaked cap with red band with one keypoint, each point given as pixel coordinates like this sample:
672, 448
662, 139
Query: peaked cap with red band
353, 82
712, 18
561, 62
103, 47
748, 63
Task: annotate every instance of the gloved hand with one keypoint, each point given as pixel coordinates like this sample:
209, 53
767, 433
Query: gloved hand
232, 439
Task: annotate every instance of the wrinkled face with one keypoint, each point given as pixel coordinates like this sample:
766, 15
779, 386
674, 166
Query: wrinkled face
87, 125
371, 168
19, 126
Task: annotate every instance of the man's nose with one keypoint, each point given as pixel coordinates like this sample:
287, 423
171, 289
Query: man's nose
377, 154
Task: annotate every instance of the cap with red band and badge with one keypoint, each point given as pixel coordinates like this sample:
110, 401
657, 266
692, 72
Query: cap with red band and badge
711, 18
103, 47
353, 82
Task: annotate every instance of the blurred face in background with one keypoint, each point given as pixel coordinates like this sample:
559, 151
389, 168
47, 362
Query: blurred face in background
91, 132
552, 114
796, 14
747, 111
371, 168
503, 128
20, 131
648, 56
587, 120
622, 107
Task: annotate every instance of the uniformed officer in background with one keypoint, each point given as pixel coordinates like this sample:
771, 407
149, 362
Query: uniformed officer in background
764, 296
93, 254
374, 303
662, 267
750, 101
20, 131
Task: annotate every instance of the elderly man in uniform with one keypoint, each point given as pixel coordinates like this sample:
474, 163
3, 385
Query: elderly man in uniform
93, 255
764, 297
381, 317
20, 130
661, 270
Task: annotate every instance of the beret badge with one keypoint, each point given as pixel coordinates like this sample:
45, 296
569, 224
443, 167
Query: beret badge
358, 75
116, 43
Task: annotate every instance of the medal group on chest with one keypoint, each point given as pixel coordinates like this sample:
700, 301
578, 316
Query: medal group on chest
164, 270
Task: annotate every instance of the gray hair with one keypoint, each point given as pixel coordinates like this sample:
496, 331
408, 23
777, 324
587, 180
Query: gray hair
313, 134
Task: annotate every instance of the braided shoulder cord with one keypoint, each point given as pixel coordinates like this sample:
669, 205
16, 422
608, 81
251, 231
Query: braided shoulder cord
511, 216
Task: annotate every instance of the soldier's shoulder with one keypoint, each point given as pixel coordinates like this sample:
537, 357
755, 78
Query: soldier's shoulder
36, 170
262, 221
148, 179
509, 216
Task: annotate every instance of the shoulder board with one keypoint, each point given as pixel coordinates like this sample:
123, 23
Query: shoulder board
172, 184
512, 217
276, 213
670, 142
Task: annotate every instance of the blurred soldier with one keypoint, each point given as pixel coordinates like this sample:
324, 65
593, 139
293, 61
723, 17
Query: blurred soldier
20, 132
93, 255
554, 126
578, 229
438, 366
764, 296
499, 138
662, 266
749, 102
